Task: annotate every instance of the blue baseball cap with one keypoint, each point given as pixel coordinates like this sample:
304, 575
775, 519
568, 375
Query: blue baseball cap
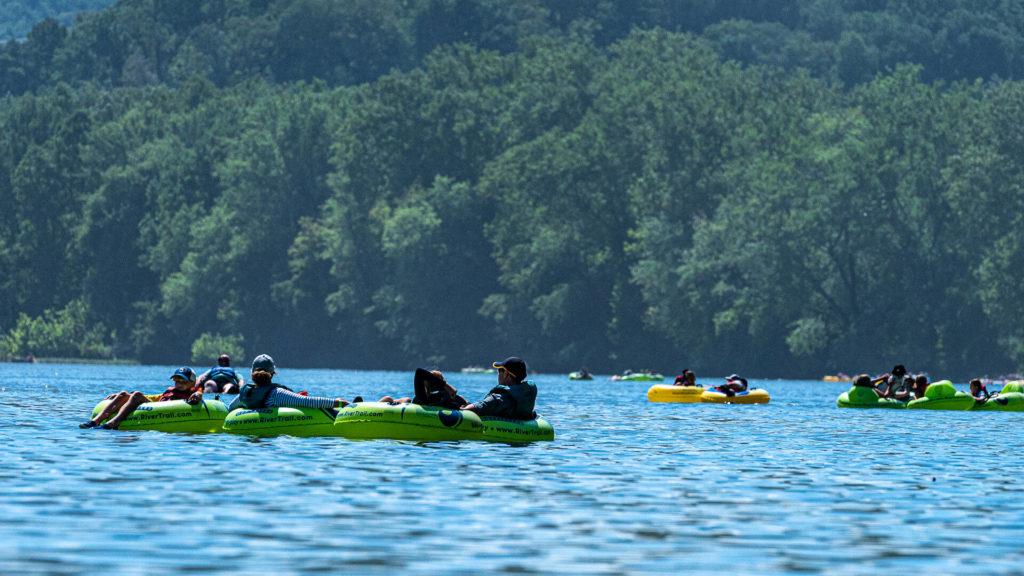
185, 372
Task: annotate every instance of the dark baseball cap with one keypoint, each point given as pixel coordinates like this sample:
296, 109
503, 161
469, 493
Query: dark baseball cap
265, 363
514, 365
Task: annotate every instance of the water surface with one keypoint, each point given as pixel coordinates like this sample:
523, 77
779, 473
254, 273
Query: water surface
795, 486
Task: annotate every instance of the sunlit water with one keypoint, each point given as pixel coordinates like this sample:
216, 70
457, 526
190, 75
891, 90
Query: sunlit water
627, 486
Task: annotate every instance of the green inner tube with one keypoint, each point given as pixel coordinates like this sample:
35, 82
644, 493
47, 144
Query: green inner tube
508, 430
173, 416
380, 420
942, 395
302, 422
1004, 402
1014, 386
640, 378
861, 397
377, 420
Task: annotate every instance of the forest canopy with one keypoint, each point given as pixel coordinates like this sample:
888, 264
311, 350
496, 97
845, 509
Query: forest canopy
776, 188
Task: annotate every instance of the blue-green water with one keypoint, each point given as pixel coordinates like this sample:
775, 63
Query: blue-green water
627, 486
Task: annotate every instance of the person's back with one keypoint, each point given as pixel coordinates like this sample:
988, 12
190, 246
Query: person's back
222, 378
263, 393
897, 385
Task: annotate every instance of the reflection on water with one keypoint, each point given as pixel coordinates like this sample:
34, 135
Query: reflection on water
797, 485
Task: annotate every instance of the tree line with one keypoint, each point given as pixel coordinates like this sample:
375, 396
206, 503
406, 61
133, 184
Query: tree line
577, 191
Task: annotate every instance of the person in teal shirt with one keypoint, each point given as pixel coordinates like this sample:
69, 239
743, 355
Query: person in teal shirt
514, 396
222, 378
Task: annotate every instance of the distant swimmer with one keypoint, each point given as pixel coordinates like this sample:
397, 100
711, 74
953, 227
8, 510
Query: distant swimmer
513, 397
124, 403
264, 393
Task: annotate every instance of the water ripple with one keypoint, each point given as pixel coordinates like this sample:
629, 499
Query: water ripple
629, 487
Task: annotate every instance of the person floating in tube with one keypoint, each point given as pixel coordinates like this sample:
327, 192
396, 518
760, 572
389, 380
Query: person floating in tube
979, 392
124, 403
222, 378
734, 383
264, 393
514, 396
896, 385
431, 390
921, 385
687, 378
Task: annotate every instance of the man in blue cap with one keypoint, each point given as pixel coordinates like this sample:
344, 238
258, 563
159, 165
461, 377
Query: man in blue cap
513, 397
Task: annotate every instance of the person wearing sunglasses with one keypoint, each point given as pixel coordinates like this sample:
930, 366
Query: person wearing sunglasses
514, 396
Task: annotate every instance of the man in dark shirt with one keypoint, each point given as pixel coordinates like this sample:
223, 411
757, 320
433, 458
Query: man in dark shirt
513, 397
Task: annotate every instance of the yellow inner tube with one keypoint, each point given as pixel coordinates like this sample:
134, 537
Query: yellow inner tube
679, 394
756, 396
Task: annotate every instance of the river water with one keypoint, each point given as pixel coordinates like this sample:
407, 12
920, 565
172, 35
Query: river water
627, 487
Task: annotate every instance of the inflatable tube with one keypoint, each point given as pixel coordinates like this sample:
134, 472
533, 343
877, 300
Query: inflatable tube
638, 378
942, 395
479, 370
752, 396
173, 416
578, 376
862, 397
302, 422
513, 431
1015, 386
1004, 402
377, 420
679, 394
380, 420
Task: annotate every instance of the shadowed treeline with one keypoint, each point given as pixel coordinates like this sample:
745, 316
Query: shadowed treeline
749, 186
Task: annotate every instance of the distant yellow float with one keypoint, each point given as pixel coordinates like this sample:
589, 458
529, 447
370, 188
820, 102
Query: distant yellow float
699, 394
752, 396
678, 394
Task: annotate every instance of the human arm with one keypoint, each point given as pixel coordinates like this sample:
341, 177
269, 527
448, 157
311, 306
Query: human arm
491, 404
236, 402
282, 397
196, 397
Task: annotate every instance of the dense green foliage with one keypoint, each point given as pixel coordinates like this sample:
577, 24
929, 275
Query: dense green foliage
17, 17
750, 186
